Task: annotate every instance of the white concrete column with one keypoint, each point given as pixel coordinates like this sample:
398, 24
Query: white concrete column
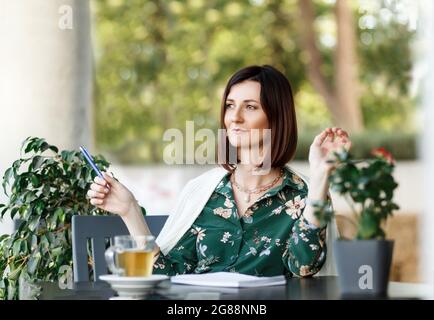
45, 75
426, 34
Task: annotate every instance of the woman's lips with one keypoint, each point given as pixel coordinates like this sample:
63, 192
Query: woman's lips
238, 130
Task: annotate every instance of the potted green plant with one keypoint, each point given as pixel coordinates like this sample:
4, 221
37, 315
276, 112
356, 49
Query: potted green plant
45, 188
363, 263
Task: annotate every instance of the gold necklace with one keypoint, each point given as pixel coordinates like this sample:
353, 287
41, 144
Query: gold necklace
257, 190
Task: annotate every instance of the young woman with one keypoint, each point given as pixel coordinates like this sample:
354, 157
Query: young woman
244, 216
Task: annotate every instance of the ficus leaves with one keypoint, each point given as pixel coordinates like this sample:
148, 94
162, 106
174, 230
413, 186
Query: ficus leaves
45, 188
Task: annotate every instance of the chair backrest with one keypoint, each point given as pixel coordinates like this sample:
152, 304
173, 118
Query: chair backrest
98, 229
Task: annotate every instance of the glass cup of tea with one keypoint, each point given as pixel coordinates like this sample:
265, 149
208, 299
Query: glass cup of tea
131, 256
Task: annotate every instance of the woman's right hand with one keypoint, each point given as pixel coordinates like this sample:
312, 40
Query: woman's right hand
110, 195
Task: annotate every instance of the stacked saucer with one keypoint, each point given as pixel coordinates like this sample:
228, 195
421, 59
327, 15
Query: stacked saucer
133, 287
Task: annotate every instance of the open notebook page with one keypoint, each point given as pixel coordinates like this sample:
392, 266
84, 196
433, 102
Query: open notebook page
227, 279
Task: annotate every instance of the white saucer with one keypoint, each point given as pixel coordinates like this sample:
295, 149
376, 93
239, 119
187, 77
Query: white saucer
133, 287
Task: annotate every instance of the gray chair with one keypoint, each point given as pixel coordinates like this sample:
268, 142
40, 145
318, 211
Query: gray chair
98, 229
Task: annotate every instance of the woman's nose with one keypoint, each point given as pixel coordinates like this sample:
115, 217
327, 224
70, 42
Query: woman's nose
236, 115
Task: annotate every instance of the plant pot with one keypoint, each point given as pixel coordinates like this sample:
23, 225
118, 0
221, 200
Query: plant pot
363, 267
28, 289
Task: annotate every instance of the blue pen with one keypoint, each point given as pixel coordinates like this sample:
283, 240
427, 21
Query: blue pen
90, 161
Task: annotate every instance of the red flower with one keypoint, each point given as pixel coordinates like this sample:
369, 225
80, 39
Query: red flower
383, 153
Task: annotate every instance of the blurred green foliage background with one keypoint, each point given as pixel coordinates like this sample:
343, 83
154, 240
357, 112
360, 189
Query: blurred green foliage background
162, 63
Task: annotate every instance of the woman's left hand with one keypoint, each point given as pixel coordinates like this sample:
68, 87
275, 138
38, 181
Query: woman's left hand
324, 145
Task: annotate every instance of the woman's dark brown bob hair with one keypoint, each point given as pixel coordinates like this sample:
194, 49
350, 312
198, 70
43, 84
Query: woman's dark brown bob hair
278, 104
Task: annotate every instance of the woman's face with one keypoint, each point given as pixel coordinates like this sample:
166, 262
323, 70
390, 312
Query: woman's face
244, 117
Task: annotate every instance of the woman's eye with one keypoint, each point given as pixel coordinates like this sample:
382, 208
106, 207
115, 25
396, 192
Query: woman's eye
228, 105
250, 107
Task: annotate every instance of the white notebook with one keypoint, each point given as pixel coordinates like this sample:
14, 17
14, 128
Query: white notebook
227, 279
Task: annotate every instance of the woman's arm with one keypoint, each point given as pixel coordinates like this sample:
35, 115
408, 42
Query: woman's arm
317, 191
110, 195
307, 248
321, 150
135, 221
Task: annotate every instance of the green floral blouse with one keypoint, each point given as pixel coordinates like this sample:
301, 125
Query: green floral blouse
272, 239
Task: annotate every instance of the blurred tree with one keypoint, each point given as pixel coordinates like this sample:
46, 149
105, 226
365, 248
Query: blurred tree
161, 63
